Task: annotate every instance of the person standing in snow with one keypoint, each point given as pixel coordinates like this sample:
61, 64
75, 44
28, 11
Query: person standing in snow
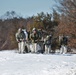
41, 40
26, 34
20, 37
47, 43
64, 43
34, 36
26, 39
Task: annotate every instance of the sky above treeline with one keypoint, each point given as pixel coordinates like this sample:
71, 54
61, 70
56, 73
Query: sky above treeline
26, 7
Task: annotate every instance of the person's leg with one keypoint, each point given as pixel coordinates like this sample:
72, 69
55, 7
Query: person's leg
35, 47
22, 46
65, 49
28, 47
49, 49
46, 49
19, 47
31, 47
61, 49
41, 45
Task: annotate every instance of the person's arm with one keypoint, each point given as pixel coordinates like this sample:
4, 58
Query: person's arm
17, 39
26, 36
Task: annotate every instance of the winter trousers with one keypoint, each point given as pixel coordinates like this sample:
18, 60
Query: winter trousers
34, 46
21, 46
28, 46
47, 49
63, 49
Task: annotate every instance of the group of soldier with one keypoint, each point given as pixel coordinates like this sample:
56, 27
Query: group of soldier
37, 43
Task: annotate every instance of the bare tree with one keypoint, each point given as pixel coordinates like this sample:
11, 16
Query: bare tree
67, 24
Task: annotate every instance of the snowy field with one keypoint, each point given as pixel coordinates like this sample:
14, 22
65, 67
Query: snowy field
12, 63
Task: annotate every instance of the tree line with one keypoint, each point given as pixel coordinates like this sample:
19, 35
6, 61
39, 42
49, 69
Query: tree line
61, 21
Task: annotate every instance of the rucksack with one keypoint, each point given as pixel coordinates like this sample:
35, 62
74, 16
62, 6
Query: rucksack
48, 40
64, 41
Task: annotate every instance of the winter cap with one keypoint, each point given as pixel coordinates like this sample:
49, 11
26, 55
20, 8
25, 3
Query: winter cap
33, 29
19, 29
47, 36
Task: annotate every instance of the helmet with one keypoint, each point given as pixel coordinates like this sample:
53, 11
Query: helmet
33, 29
20, 29
47, 36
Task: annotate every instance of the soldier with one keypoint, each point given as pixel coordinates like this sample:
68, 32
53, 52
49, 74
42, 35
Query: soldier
20, 37
26, 39
64, 43
47, 42
41, 40
35, 38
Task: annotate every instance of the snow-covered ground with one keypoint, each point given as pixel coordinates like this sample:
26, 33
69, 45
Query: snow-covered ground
12, 63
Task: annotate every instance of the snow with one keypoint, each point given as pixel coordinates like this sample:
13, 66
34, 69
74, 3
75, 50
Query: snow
12, 63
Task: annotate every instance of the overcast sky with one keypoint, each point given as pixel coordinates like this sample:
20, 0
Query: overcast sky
26, 7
